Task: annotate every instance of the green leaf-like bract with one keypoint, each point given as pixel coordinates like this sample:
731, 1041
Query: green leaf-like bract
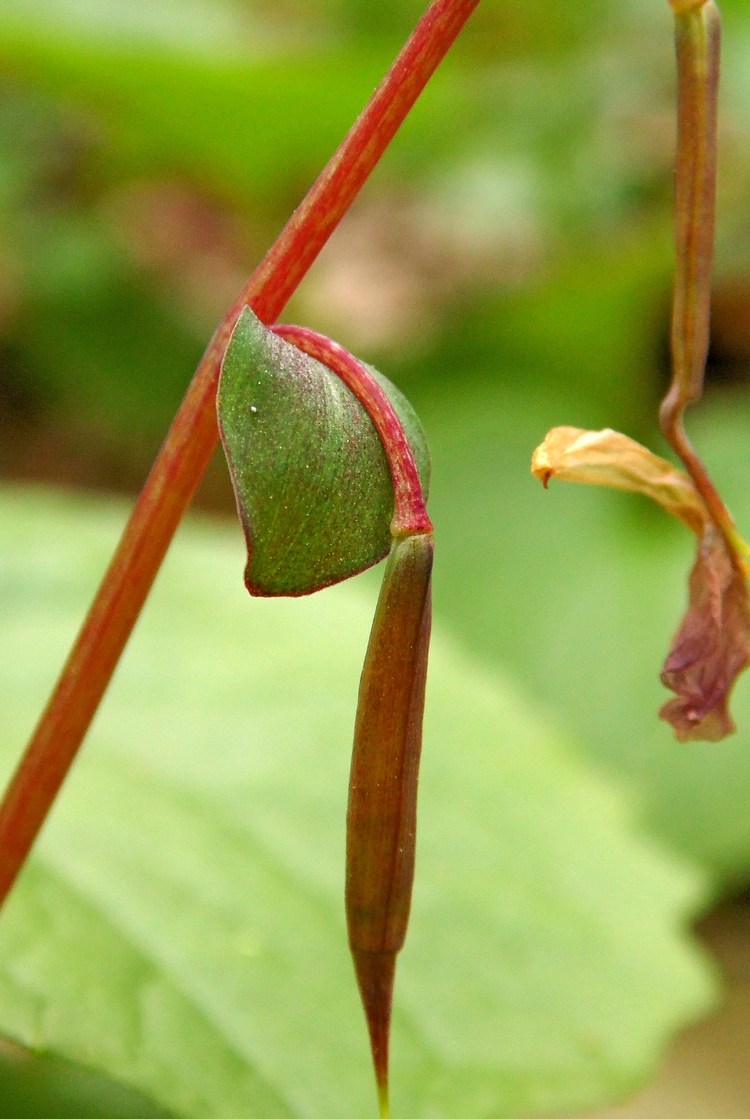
312, 482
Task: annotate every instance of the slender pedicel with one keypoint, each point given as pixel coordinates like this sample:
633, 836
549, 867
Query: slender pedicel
698, 48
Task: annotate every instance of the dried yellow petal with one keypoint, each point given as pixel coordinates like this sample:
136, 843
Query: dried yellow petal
608, 458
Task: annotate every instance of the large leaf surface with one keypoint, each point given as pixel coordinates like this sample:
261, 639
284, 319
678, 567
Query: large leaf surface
181, 926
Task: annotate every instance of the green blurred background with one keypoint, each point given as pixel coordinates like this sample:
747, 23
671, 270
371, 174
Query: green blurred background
508, 265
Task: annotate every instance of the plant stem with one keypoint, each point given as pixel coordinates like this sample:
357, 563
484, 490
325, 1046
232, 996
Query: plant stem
410, 512
697, 43
698, 47
192, 438
697, 35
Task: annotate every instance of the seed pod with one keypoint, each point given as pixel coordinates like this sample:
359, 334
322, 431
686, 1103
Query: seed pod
381, 818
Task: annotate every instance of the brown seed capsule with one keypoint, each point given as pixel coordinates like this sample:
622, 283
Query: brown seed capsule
381, 818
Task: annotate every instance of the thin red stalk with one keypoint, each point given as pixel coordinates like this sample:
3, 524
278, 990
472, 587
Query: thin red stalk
409, 513
192, 439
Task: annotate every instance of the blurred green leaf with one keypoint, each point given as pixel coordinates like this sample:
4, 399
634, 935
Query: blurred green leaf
193, 24
181, 925
228, 101
32, 1086
236, 123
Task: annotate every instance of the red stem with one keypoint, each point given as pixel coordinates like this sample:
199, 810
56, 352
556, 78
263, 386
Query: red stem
409, 512
192, 439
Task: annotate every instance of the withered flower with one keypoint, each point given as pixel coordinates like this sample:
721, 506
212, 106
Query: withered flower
712, 644
607, 458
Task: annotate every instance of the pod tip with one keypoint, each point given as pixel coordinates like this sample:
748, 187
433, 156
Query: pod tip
375, 973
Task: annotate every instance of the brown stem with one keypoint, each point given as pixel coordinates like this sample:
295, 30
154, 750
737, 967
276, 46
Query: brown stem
192, 438
698, 46
670, 415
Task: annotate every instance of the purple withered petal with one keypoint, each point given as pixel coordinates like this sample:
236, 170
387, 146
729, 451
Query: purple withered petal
712, 645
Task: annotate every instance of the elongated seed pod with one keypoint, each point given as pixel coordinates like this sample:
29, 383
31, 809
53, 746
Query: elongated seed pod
381, 817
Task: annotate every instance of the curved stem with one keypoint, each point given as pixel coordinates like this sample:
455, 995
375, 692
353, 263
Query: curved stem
410, 512
192, 439
670, 415
698, 46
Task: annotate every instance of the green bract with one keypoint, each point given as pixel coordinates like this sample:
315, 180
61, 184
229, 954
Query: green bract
310, 475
